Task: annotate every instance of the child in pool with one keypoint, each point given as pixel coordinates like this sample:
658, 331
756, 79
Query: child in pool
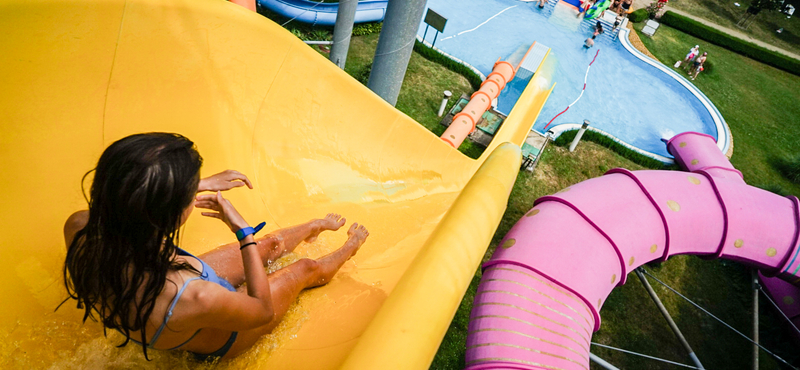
124, 265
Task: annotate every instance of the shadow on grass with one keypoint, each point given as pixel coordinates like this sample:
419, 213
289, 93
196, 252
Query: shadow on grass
785, 35
721, 10
787, 166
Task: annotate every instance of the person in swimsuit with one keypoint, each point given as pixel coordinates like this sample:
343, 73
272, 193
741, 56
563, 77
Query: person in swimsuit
697, 65
690, 57
598, 29
626, 6
589, 42
617, 22
124, 265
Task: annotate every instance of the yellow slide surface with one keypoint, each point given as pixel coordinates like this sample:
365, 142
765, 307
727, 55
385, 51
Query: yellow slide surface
78, 75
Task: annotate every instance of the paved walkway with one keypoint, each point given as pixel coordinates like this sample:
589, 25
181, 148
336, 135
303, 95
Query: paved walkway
732, 32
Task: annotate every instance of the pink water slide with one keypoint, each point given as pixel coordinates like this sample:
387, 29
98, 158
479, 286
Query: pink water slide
539, 300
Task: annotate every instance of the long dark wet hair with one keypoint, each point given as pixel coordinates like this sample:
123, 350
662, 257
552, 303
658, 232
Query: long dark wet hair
117, 265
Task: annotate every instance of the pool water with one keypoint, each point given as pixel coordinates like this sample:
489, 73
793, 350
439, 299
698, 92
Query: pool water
624, 96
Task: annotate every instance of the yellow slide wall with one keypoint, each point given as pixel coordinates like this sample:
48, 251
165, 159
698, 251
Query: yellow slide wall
78, 75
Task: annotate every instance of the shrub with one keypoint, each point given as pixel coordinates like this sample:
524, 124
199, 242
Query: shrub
362, 74
437, 57
638, 16
364, 29
731, 43
320, 35
566, 137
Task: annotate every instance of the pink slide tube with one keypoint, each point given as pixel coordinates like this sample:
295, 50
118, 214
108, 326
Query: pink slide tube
787, 297
541, 293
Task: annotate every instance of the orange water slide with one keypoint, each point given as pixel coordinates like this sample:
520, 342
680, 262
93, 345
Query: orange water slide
465, 121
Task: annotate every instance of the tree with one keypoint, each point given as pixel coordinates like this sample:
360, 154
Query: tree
756, 6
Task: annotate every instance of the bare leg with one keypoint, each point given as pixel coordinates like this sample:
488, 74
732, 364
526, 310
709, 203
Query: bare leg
287, 283
226, 260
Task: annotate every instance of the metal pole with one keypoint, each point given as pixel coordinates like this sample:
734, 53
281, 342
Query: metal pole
602, 362
579, 135
394, 47
671, 323
447, 95
755, 318
342, 31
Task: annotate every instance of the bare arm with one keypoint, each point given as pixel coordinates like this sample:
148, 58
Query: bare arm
259, 305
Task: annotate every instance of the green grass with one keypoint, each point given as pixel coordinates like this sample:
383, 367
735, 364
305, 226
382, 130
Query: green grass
761, 104
422, 89
732, 43
726, 14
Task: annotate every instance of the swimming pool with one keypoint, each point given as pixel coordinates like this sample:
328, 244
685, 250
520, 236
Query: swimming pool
626, 97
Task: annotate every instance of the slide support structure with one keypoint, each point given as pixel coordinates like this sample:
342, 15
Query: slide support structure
667, 317
394, 49
342, 31
603, 363
754, 278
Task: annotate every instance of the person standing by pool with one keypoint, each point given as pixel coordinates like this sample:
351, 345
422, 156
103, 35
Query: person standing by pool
697, 65
617, 22
541, 3
589, 42
690, 57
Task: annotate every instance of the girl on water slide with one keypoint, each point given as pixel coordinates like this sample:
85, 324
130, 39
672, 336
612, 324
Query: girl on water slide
124, 265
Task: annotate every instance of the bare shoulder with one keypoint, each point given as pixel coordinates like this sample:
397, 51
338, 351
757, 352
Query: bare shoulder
75, 222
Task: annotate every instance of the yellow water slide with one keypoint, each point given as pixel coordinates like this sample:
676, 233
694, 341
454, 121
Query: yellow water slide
78, 75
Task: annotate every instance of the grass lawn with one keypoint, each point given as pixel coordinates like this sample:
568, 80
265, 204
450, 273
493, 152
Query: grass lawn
762, 106
764, 25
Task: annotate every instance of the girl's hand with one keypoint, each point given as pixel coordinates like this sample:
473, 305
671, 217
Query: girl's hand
224, 180
224, 210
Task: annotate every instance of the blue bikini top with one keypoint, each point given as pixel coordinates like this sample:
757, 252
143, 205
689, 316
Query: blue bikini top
206, 274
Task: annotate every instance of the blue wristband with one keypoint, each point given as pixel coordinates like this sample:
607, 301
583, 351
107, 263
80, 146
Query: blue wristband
243, 233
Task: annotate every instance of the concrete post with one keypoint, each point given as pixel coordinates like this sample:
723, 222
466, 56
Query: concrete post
342, 31
394, 47
447, 95
578, 136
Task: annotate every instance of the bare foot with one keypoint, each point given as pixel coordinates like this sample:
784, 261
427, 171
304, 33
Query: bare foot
328, 265
358, 235
331, 222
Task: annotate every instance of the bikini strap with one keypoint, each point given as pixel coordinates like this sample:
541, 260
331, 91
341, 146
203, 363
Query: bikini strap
169, 313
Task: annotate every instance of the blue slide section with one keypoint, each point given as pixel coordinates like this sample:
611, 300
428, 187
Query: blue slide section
324, 14
575, 3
